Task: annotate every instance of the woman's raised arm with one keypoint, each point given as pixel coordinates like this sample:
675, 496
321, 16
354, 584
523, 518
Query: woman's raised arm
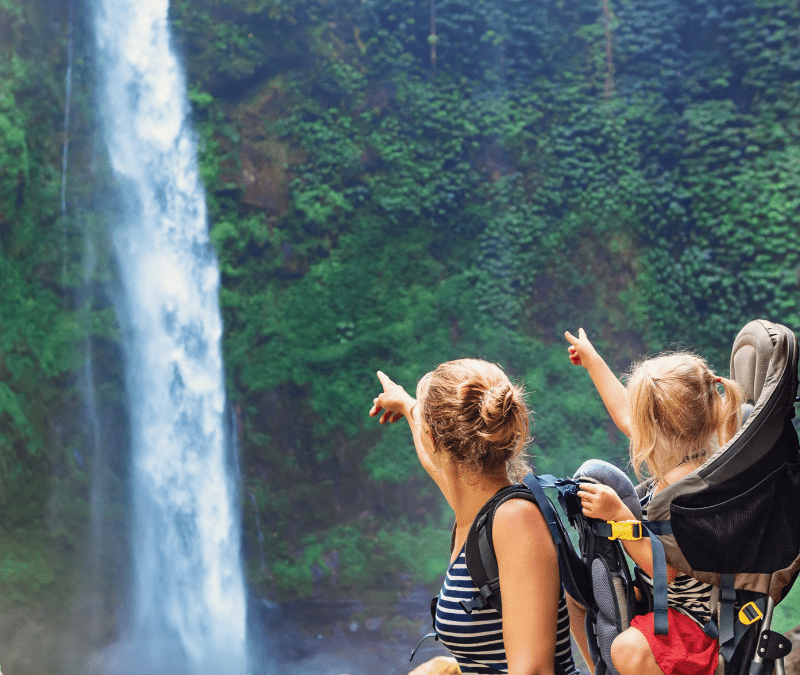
396, 403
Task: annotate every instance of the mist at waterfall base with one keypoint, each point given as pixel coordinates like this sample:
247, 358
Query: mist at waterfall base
188, 601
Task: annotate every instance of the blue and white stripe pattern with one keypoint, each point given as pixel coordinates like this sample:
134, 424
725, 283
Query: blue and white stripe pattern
476, 640
685, 594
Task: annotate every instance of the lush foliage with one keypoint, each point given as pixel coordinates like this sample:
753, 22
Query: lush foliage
394, 193
51, 319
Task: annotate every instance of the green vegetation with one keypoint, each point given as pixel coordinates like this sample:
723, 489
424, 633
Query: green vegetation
390, 212
375, 209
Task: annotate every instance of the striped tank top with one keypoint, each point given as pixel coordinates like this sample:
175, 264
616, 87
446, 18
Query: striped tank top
685, 594
476, 640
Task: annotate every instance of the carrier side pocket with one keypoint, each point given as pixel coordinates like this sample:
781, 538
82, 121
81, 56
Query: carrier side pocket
755, 532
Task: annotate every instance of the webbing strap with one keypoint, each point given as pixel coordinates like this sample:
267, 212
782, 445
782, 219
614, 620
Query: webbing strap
481, 601
711, 629
659, 527
660, 597
487, 554
602, 529
544, 504
727, 599
491, 589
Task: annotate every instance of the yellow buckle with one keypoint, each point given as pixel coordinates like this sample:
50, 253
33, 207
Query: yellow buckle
629, 530
750, 613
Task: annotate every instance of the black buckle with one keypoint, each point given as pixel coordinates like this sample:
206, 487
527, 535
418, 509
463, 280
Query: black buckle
478, 602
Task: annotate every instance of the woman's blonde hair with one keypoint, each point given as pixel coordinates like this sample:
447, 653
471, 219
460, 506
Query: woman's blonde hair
477, 416
676, 408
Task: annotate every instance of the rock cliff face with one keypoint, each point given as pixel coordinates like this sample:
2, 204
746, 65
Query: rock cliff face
792, 662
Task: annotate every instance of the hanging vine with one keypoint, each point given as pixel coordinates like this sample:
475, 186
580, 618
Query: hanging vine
608, 88
432, 38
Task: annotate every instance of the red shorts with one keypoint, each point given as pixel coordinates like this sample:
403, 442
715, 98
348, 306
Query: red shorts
685, 650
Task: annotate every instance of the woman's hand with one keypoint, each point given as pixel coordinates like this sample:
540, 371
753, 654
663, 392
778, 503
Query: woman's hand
394, 401
601, 502
581, 351
396, 404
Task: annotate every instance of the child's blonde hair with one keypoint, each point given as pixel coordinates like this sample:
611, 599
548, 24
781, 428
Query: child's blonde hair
676, 407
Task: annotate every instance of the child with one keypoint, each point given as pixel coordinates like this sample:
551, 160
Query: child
675, 417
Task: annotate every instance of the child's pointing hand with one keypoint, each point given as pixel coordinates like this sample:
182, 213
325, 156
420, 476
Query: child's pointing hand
581, 351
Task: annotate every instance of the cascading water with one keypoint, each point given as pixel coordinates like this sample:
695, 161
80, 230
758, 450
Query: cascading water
188, 596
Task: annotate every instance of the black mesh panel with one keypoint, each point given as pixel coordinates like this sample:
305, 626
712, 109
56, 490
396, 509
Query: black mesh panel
607, 604
757, 531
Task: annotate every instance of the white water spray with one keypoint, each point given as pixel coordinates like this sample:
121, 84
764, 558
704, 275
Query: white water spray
188, 590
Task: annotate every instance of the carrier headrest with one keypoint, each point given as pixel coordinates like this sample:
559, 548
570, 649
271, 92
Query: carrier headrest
750, 357
608, 474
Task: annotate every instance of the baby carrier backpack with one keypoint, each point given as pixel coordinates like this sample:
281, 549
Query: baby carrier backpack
598, 578
733, 523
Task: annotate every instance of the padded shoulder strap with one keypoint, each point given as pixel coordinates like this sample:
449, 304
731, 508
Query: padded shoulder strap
479, 551
574, 574
482, 562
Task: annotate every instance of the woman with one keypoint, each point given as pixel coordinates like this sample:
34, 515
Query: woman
470, 426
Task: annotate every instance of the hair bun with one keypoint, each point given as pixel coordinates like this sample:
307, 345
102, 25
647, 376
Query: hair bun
477, 415
496, 404
500, 425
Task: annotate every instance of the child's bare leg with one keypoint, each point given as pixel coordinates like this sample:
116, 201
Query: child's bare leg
632, 655
577, 626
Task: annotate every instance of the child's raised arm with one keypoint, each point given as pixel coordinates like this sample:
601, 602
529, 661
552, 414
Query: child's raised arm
612, 391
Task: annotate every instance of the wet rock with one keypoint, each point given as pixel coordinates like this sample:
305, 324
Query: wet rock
792, 661
317, 574
264, 181
374, 623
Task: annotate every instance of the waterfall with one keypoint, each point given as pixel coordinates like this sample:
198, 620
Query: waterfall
97, 491
188, 597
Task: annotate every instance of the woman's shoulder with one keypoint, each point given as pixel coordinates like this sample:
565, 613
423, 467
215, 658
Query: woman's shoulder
526, 555
516, 517
516, 506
